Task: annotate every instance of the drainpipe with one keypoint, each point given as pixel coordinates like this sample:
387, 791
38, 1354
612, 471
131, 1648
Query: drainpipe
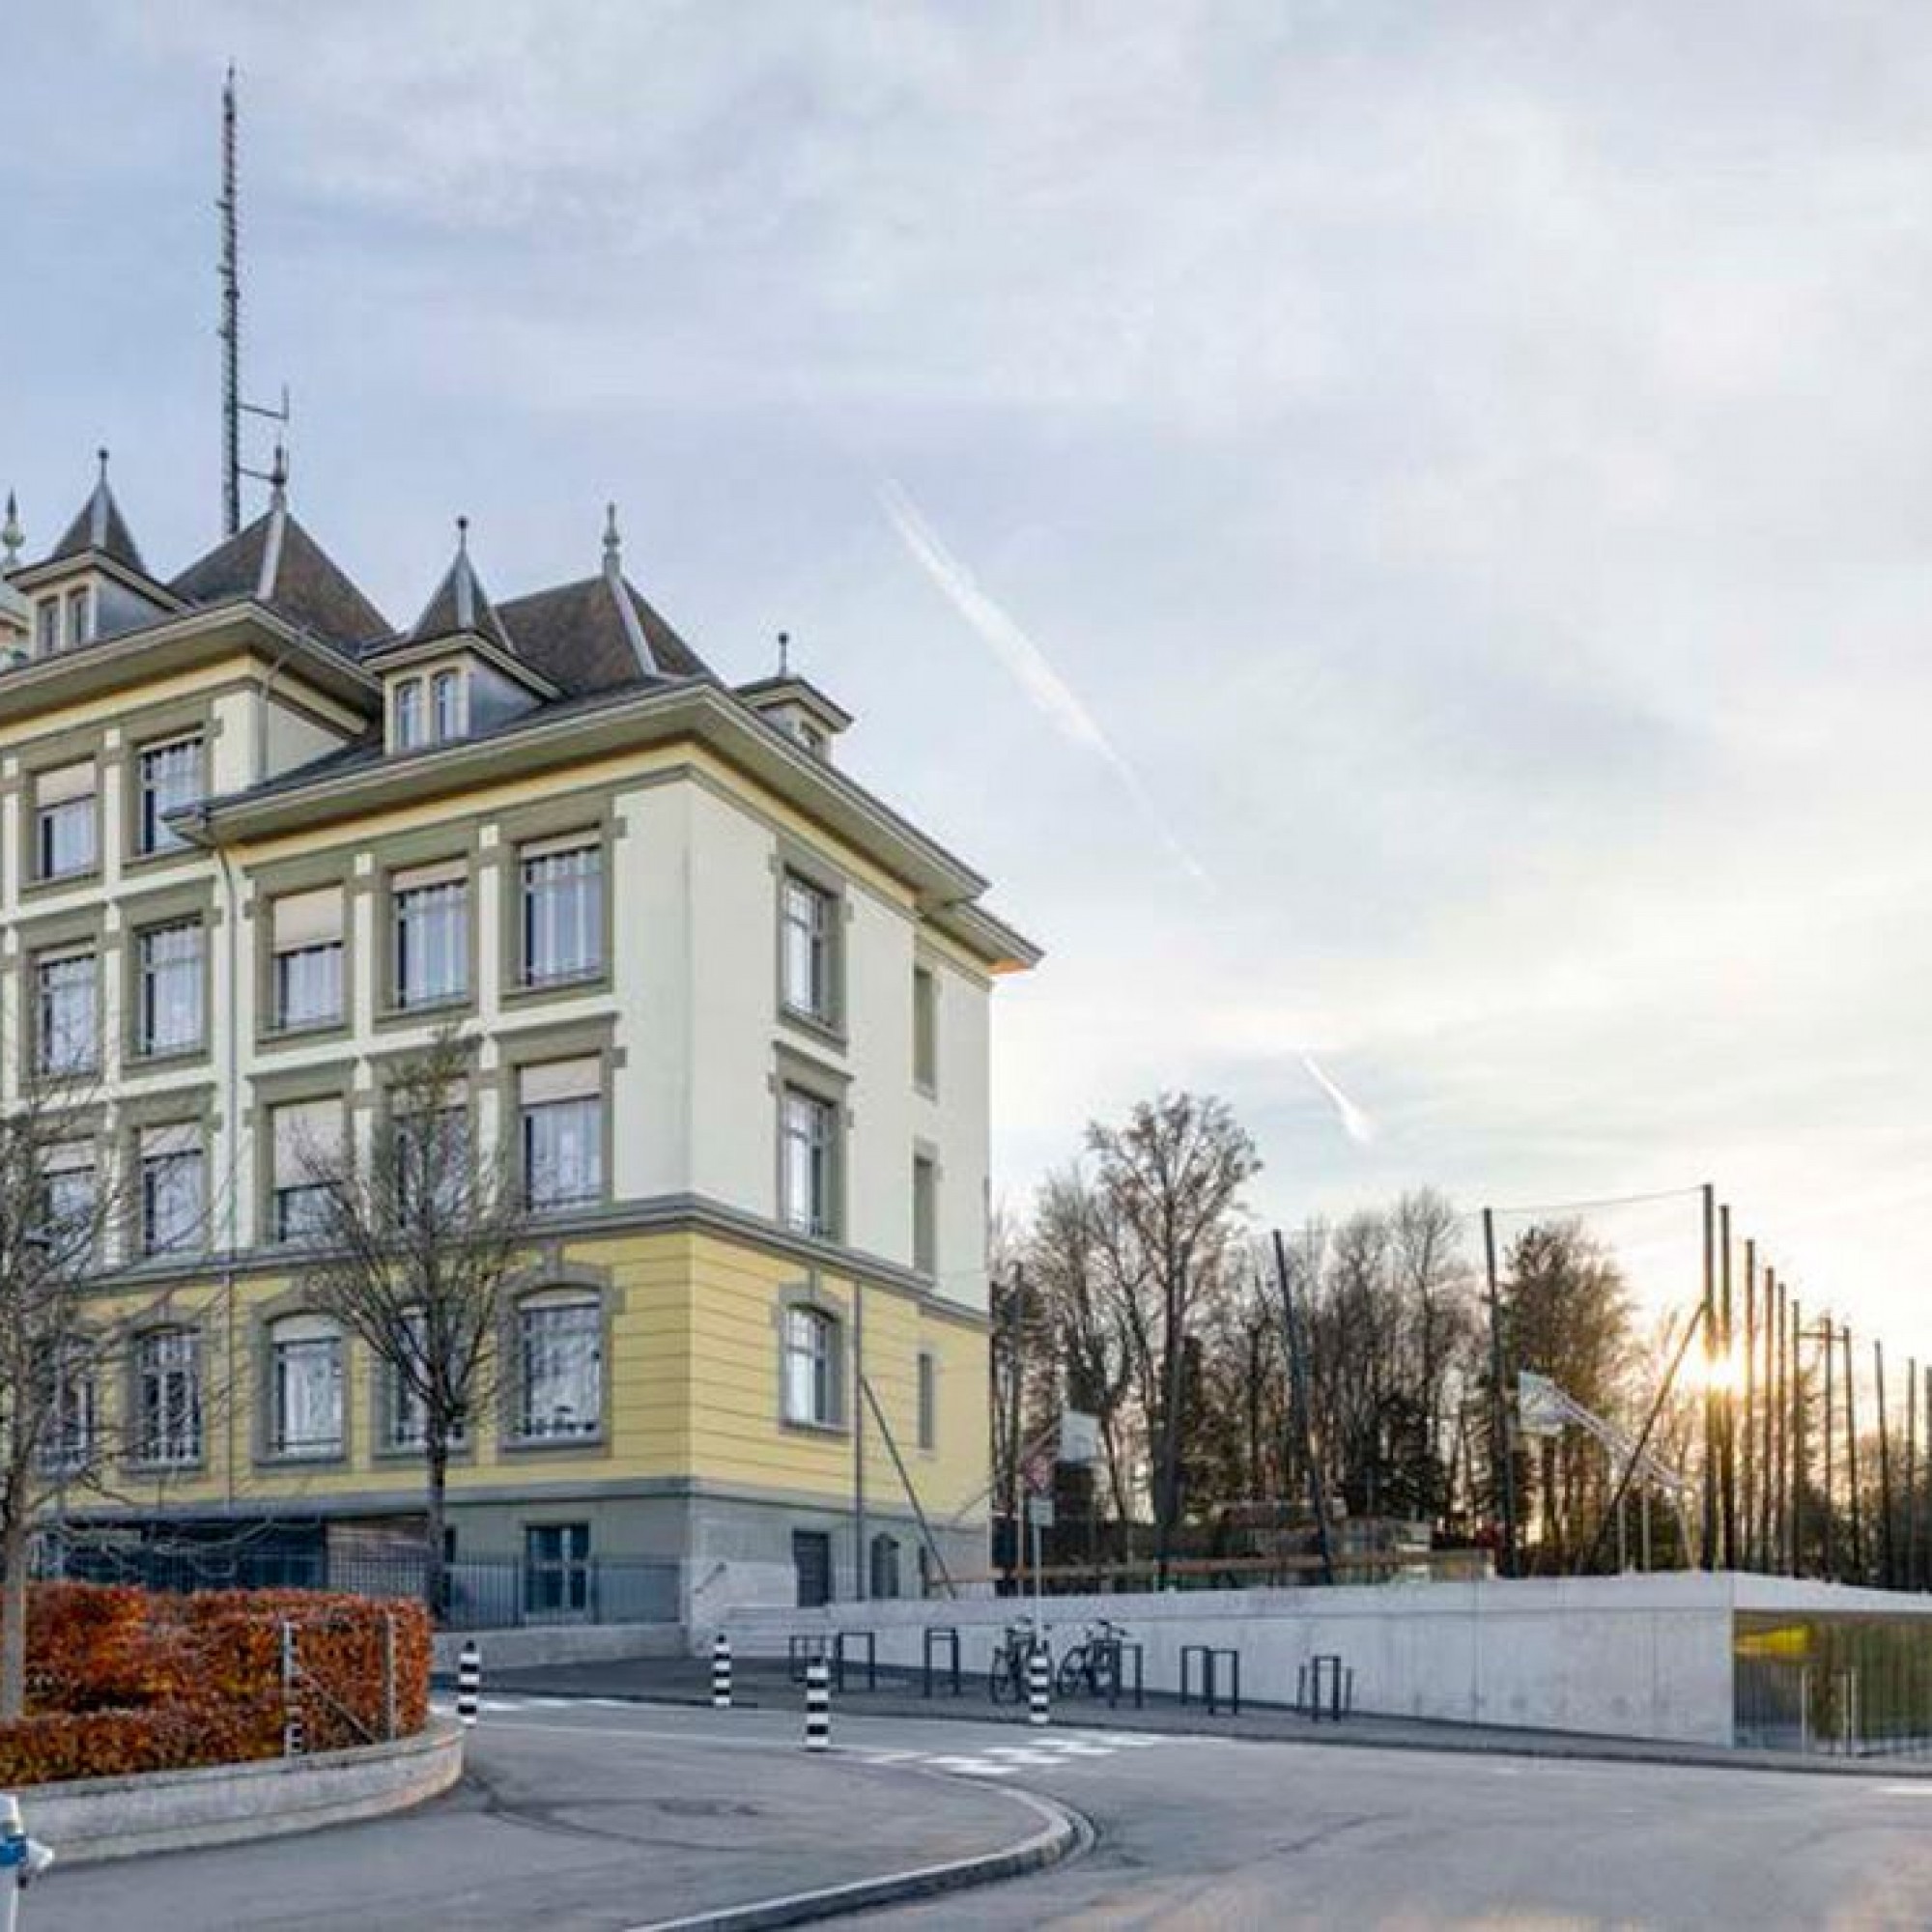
860, 1579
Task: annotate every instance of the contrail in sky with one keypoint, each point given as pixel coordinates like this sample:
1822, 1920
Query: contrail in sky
1049, 692
1355, 1122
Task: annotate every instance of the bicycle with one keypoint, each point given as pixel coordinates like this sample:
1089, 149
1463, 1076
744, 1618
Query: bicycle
1094, 1664
1007, 1678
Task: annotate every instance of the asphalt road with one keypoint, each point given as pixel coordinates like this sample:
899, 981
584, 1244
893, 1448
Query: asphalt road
609, 1817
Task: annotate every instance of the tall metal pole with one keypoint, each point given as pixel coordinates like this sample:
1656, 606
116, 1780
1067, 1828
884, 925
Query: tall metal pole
1710, 1326
1502, 1458
1831, 1341
1728, 1396
1888, 1539
1911, 1474
1015, 1370
230, 331
1297, 1371
1753, 1542
1796, 1459
1774, 1412
1856, 1524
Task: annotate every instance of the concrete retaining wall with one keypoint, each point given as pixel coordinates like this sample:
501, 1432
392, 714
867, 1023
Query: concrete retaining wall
97, 1818
1645, 1656
532, 1647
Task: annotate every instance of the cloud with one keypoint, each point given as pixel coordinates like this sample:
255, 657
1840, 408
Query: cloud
1045, 689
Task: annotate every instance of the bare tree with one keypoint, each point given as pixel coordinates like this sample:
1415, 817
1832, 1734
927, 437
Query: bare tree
413, 1244
1171, 1180
60, 1211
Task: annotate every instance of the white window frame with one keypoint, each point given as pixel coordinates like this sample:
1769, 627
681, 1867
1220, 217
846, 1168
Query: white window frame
152, 975
167, 1397
576, 1318
809, 1159
808, 914
304, 1361
812, 1368
562, 911
57, 1055
153, 833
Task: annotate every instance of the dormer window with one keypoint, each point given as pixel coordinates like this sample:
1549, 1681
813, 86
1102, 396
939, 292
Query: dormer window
811, 736
79, 616
409, 715
446, 706
46, 626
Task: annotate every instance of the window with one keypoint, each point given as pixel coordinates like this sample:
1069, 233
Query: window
67, 1201
167, 1397
169, 967
305, 1387
174, 1195
170, 780
924, 1214
563, 913
308, 964
885, 1577
66, 1034
805, 949
806, 1162
407, 1423
79, 612
812, 1363
560, 1358
557, 1569
68, 1443
561, 1108
431, 935
430, 1154
64, 821
924, 1029
928, 1400
445, 706
46, 626
409, 715
309, 1140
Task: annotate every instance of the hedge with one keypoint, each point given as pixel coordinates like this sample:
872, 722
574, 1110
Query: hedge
121, 1681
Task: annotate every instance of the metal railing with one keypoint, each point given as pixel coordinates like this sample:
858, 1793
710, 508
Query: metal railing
480, 1592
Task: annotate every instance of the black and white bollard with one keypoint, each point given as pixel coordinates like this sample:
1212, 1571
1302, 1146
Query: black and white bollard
817, 1705
721, 1672
1037, 1681
469, 1682
22, 1860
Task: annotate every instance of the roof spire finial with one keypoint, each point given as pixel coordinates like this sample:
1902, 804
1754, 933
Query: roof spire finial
12, 536
278, 477
785, 653
101, 453
462, 536
613, 543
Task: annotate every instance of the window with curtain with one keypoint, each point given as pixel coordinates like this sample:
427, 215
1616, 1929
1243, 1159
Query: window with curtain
174, 1194
66, 1013
170, 780
563, 913
432, 936
64, 831
309, 1138
307, 967
805, 949
430, 1152
68, 1198
167, 1396
561, 1362
305, 1387
69, 1441
170, 975
560, 1105
811, 1377
405, 1416
409, 715
805, 1159
79, 616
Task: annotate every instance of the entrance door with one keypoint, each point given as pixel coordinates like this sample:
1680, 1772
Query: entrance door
812, 1558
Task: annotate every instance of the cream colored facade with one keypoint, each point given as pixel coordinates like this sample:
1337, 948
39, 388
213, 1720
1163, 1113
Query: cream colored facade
691, 807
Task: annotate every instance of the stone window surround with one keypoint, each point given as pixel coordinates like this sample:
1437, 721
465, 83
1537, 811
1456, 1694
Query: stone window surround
278, 880
554, 1278
85, 927
926, 966
833, 1085
927, 1152
173, 905
266, 1092
810, 1295
793, 859
594, 813
262, 1319
166, 725
442, 845
192, 1105
534, 1046
167, 1321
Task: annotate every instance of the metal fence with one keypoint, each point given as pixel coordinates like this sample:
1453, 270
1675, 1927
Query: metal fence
1849, 1686
480, 1592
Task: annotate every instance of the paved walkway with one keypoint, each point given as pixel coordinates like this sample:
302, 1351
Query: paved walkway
762, 1684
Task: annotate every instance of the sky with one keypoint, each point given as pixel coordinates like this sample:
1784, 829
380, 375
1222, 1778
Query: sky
1399, 537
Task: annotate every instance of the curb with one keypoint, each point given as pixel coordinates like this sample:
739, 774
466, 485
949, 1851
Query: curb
1578, 1747
1061, 1833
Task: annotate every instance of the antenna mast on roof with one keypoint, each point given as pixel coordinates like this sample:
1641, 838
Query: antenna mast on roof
233, 408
